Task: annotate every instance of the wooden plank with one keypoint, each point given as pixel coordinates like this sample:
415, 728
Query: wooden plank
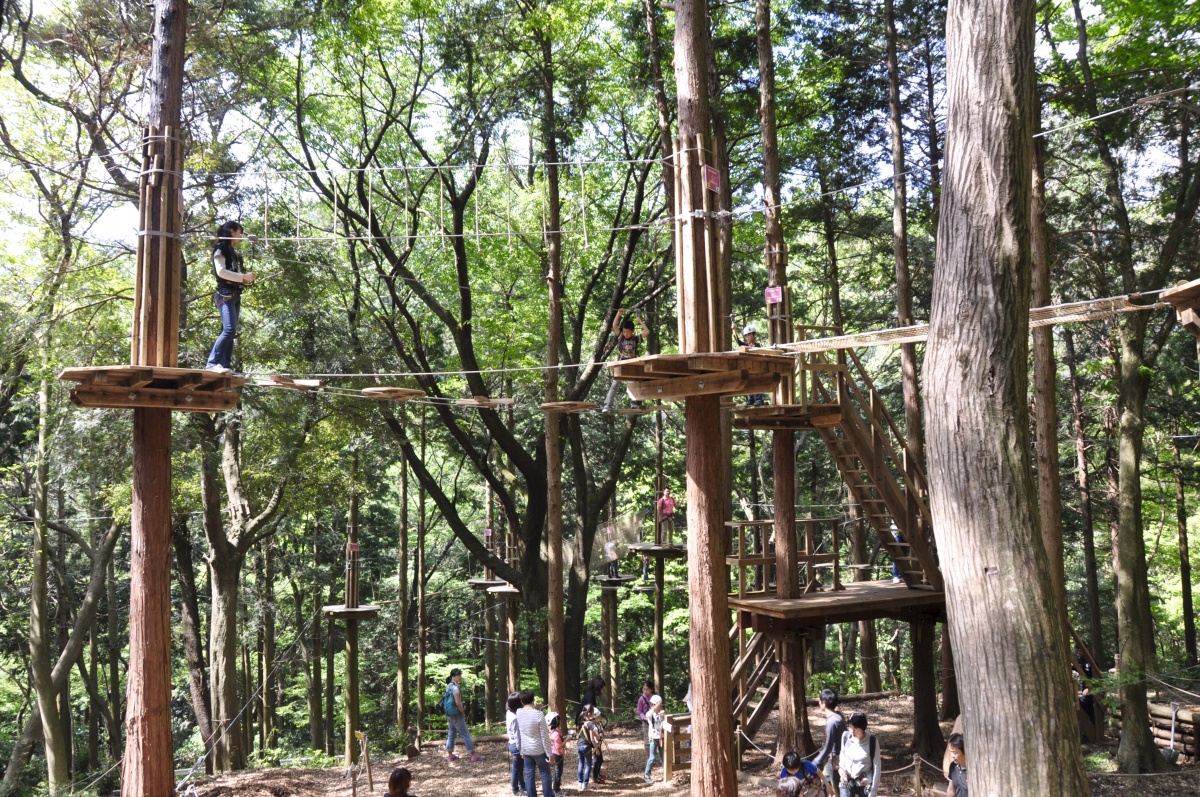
93, 396
683, 387
393, 393
667, 367
1190, 320
1183, 294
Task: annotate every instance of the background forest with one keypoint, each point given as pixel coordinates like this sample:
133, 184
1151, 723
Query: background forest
400, 165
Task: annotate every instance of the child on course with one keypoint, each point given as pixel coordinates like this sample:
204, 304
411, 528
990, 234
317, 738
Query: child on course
812, 782
598, 745
557, 749
399, 782
517, 775
749, 342
654, 728
858, 762
456, 718
958, 766
627, 349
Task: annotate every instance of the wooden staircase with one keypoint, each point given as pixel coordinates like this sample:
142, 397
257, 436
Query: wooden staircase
755, 680
875, 462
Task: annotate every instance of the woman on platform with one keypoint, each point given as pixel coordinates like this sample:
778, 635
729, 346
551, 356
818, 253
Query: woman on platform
227, 266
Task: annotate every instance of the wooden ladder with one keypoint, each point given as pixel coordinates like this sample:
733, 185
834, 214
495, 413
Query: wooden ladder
755, 680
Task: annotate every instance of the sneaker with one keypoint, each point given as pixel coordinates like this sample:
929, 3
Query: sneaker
649, 781
476, 758
896, 579
216, 369
450, 759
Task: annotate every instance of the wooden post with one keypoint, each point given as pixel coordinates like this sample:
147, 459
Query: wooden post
790, 651
148, 769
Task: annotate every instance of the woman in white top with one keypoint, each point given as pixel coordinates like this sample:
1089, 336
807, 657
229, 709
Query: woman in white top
517, 776
858, 763
227, 268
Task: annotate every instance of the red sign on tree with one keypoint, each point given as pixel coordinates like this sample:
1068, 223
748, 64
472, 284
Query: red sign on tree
712, 179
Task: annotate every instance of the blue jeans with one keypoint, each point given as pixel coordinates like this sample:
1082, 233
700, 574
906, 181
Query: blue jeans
557, 763
230, 308
540, 762
516, 777
654, 748
903, 552
457, 723
585, 763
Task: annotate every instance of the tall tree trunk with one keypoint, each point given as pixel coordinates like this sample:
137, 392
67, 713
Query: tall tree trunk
1185, 564
267, 652
557, 664
992, 556
422, 609
1096, 628
904, 301
193, 645
927, 734
330, 662
316, 714
229, 747
1045, 404
950, 706
54, 738
831, 259
403, 688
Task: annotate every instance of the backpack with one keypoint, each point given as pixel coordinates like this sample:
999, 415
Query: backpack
870, 747
448, 706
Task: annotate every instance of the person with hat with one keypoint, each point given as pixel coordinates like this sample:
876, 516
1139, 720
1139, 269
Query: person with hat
557, 748
654, 729
750, 341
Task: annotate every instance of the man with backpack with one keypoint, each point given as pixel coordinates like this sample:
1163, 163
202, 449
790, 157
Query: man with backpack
456, 718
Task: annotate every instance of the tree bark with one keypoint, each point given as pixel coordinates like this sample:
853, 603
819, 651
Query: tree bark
993, 559
267, 652
950, 707
1185, 564
1095, 626
422, 609
927, 734
193, 645
557, 674
316, 714
230, 754
403, 688
54, 738
904, 300
1045, 369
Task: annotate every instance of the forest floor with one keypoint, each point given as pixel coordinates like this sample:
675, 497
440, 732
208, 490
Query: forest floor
890, 719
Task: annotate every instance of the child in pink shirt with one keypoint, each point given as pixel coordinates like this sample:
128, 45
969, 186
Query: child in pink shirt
557, 749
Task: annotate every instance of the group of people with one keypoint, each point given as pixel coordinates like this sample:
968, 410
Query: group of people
848, 765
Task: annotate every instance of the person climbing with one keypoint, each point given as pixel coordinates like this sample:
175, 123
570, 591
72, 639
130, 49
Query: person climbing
227, 266
456, 718
810, 779
654, 729
627, 349
898, 537
958, 766
859, 761
750, 341
666, 511
835, 726
399, 782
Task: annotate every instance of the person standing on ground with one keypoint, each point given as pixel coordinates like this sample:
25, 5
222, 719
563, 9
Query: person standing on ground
557, 748
516, 777
227, 266
585, 744
654, 729
456, 718
958, 766
666, 511
643, 707
591, 695
835, 726
399, 782
598, 746
628, 345
534, 739
859, 760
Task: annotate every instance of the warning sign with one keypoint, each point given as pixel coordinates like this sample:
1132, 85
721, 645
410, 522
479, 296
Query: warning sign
774, 295
712, 179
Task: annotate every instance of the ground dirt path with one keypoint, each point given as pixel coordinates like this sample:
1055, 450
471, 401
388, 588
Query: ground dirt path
890, 719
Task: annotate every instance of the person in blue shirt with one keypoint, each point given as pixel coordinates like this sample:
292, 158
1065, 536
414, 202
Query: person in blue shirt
806, 772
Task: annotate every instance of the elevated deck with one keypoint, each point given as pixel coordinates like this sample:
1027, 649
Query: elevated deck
130, 386
674, 377
351, 612
1186, 298
787, 416
667, 550
861, 600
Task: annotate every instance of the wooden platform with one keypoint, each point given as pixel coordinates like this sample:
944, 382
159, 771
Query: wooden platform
1186, 298
485, 402
351, 612
505, 589
667, 550
393, 393
787, 416
860, 600
288, 383
129, 386
568, 406
645, 409
608, 582
485, 583
674, 377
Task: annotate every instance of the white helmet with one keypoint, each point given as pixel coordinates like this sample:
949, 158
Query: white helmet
749, 330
